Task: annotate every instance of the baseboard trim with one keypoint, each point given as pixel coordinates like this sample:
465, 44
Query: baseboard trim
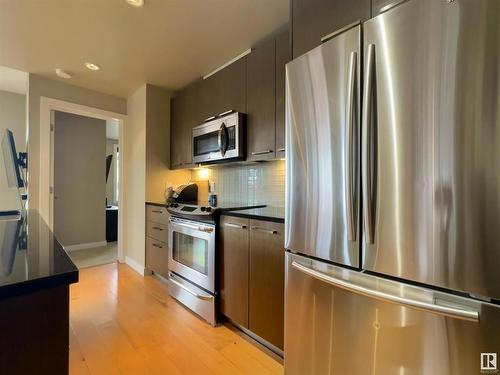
84, 246
135, 266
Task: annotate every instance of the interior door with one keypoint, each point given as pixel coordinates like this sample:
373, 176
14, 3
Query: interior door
431, 144
322, 137
79, 179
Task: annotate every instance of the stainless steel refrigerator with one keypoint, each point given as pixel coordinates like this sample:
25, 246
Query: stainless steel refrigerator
393, 195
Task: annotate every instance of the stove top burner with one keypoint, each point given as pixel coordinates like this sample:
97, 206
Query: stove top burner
191, 211
204, 212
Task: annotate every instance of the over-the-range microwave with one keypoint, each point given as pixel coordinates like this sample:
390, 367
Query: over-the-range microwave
220, 139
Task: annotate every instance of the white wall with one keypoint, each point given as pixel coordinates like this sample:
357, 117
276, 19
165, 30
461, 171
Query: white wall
146, 153
43, 87
134, 177
12, 116
158, 174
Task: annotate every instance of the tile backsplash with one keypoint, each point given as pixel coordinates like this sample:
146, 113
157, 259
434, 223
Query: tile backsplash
260, 183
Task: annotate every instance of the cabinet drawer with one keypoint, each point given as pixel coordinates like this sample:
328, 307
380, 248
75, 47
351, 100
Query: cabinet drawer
157, 214
157, 231
157, 256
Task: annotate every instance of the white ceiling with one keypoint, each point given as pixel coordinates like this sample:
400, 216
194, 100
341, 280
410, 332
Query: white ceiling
13, 80
167, 42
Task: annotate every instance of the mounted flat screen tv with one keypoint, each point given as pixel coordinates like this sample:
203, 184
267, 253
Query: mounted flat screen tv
12, 161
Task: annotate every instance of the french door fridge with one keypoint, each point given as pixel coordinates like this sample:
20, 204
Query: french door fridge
393, 195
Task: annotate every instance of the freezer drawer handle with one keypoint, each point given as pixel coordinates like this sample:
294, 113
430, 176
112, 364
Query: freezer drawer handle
205, 298
448, 311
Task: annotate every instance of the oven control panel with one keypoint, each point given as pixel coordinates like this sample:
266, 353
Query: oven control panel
188, 210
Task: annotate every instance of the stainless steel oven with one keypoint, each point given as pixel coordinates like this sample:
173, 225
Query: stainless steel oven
222, 138
191, 263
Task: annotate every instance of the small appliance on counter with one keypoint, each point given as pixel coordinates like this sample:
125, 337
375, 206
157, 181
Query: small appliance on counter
185, 193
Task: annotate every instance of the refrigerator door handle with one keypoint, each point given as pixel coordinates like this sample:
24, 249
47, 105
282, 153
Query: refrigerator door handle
348, 173
367, 176
435, 308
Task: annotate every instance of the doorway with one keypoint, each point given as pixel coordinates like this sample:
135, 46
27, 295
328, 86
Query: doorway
48, 107
85, 170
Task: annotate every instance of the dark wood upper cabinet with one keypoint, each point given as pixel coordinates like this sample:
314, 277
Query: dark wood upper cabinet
267, 266
234, 269
283, 56
223, 91
261, 129
184, 115
233, 87
314, 19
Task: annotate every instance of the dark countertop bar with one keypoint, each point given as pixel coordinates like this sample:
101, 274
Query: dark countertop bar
274, 214
31, 258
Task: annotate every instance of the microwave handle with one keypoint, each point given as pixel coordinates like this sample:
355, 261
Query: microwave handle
222, 139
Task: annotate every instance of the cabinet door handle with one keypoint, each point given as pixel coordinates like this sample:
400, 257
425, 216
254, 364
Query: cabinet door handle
263, 230
157, 211
280, 149
158, 246
231, 225
158, 228
262, 152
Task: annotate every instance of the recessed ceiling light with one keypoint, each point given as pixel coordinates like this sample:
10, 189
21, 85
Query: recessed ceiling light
92, 66
136, 3
63, 74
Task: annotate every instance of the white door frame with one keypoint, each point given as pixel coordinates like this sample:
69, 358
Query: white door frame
46, 181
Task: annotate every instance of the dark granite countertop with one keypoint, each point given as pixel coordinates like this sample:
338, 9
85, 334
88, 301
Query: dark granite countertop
267, 213
243, 209
31, 258
160, 204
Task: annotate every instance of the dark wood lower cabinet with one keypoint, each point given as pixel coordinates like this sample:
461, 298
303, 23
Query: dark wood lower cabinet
267, 281
252, 278
234, 269
35, 332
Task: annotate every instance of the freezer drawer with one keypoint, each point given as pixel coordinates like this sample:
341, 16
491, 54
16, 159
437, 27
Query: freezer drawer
339, 321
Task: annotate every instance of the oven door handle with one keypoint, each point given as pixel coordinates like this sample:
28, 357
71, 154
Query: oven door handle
199, 296
195, 227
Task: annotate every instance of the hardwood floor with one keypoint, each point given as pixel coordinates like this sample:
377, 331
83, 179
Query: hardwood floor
122, 323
